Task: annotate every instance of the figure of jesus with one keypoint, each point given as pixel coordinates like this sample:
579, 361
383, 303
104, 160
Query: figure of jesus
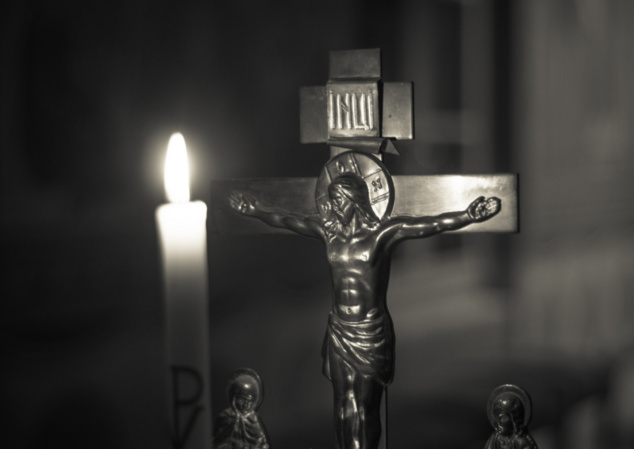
359, 345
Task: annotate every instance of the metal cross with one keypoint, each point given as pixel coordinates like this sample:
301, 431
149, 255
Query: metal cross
361, 213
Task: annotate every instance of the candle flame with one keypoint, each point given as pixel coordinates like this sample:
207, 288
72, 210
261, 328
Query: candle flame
177, 170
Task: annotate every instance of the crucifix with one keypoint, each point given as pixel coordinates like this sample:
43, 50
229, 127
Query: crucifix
361, 213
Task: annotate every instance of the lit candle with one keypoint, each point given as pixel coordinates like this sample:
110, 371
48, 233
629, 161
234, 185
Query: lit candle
183, 239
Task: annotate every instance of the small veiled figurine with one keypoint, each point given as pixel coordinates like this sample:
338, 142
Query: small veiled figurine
509, 411
239, 426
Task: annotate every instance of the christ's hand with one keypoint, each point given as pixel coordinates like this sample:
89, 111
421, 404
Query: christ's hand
243, 203
483, 209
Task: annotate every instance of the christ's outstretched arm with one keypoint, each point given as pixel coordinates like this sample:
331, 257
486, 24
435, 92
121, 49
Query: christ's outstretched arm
306, 225
401, 228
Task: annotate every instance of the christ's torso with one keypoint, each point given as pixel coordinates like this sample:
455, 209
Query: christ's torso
359, 277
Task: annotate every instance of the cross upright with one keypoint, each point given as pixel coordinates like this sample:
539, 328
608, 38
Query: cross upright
356, 110
361, 213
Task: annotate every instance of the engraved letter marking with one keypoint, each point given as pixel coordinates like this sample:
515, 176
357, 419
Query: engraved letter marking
350, 111
377, 184
344, 107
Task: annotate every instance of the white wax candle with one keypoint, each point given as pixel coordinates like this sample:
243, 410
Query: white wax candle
183, 239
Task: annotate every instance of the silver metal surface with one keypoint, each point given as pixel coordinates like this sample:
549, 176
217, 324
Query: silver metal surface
414, 195
352, 109
432, 195
398, 111
356, 110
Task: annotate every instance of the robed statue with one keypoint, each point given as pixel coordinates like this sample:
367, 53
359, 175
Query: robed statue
358, 349
509, 411
239, 426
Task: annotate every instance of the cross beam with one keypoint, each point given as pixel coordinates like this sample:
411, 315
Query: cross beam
414, 195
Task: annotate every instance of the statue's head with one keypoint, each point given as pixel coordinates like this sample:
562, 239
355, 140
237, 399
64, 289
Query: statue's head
349, 196
508, 414
243, 402
245, 391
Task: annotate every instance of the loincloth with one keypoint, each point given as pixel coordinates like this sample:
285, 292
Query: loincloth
366, 346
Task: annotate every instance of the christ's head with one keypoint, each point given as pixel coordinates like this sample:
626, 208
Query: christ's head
349, 196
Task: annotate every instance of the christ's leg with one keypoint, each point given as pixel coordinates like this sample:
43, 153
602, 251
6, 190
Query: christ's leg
357, 402
346, 417
368, 393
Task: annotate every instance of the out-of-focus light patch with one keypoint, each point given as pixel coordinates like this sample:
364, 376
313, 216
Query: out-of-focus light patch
177, 170
456, 187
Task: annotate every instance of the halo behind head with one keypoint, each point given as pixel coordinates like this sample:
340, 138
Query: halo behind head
514, 391
367, 168
246, 381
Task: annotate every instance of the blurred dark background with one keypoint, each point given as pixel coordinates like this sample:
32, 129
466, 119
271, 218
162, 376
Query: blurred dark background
90, 93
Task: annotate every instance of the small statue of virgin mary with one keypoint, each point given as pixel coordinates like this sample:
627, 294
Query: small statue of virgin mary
509, 411
239, 426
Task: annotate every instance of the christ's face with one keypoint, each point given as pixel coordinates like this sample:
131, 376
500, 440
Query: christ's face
342, 207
